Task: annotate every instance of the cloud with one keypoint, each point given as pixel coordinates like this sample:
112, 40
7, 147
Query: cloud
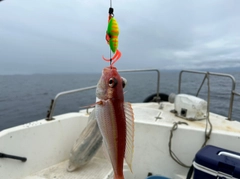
59, 36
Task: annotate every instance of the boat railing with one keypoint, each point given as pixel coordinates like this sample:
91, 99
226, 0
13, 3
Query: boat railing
236, 93
233, 92
54, 101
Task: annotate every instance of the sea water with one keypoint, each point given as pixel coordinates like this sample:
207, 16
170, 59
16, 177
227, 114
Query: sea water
26, 98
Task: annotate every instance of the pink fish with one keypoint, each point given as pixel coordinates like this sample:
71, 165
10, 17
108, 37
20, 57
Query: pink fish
115, 119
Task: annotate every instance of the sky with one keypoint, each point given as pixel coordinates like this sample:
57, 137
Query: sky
56, 36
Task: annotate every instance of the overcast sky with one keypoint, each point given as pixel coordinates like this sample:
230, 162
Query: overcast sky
54, 36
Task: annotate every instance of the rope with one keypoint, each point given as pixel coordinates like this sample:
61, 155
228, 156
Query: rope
207, 132
201, 85
172, 154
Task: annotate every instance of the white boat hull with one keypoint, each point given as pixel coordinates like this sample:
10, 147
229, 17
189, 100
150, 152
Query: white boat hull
47, 144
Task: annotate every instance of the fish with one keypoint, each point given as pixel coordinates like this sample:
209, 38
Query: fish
86, 146
115, 120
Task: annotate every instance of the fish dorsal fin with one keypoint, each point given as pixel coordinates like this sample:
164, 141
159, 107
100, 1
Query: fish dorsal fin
129, 134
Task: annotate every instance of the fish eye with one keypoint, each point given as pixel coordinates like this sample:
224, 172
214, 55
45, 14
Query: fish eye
124, 82
112, 82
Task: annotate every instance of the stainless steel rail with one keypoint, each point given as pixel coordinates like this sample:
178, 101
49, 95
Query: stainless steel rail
54, 101
238, 94
147, 70
213, 74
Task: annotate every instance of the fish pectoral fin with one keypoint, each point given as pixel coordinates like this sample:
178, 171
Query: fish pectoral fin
71, 167
89, 106
105, 151
130, 134
93, 105
92, 116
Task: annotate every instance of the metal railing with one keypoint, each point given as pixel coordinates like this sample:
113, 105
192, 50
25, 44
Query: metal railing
54, 101
238, 94
213, 74
233, 92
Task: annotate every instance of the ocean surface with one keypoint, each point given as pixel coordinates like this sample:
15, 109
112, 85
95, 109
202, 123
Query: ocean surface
26, 98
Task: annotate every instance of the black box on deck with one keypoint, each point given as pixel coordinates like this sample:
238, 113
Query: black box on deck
213, 162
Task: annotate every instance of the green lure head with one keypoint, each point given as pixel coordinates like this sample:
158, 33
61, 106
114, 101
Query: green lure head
113, 32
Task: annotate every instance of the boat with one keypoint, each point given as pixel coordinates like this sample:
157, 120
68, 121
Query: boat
168, 136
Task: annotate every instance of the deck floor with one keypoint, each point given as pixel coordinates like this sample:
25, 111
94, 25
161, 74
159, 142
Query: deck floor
100, 167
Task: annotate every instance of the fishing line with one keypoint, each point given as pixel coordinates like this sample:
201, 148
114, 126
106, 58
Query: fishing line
110, 9
110, 57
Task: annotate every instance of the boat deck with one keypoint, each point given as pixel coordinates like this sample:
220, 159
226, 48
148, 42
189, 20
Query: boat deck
98, 165
155, 113
151, 149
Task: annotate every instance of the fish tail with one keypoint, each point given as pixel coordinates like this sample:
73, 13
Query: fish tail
118, 177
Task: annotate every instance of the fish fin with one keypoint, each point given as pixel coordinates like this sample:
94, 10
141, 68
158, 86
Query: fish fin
130, 134
71, 167
88, 106
92, 105
92, 116
105, 152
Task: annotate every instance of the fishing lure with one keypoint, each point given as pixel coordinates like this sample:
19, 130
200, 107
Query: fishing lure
112, 38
